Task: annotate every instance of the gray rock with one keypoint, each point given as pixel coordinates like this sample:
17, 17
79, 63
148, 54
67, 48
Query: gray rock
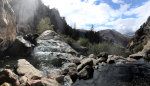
91, 56
136, 56
9, 77
24, 67
50, 46
84, 62
86, 72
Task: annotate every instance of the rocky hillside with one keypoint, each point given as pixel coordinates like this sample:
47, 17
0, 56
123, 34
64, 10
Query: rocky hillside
141, 37
111, 35
7, 25
30, 12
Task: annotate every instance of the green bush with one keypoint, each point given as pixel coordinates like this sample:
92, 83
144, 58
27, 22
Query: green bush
68, 40
45, 24
84, 42
107, 47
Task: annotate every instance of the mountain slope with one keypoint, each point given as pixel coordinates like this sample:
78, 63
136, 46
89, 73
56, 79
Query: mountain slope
141, 37
111, 35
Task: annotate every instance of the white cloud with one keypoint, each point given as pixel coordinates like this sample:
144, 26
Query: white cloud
118, 1
83, 13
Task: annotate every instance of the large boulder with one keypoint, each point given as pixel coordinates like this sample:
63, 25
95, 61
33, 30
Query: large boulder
85, 62
22, 46
86, 72
7, 76
24, 67
50, 45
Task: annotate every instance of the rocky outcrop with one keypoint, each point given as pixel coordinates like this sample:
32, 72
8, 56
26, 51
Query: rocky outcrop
141, 37
51, 46
28, 18
7, 25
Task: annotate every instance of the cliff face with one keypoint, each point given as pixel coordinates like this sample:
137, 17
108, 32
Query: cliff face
7, 25
30, 12
141, 37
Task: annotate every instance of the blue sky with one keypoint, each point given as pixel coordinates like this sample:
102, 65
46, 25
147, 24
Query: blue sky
125, 16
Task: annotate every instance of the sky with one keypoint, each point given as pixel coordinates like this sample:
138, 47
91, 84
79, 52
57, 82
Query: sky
125, 16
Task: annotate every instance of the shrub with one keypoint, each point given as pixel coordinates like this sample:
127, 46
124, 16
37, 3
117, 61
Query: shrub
84, 42
68, 40
44, 24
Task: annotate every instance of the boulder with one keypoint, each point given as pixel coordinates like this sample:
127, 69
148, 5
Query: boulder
24, 67
103, 54
86, 72
73, 73
68, 79
20, 47
23, 80
9, 77
64, 71
75, 60
50, 46
102, 59
6, 84
84, 62
92, 56
44, 82
136, 56
131, 59
60, 79
110, 60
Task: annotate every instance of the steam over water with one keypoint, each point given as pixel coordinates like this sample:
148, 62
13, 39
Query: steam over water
25, 9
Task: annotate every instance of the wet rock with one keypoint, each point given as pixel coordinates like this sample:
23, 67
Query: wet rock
91, 56
60, 79
103, 63
95, 62
72, 65
24, 67
103, 54
68, 79
23, 80
44, 82
53, 75
75, 60
102, 59
86, 72
131, 59
50, 45
64, 71
84, 62
73, 73
9, 77
136, 56
110, 60
6, 84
